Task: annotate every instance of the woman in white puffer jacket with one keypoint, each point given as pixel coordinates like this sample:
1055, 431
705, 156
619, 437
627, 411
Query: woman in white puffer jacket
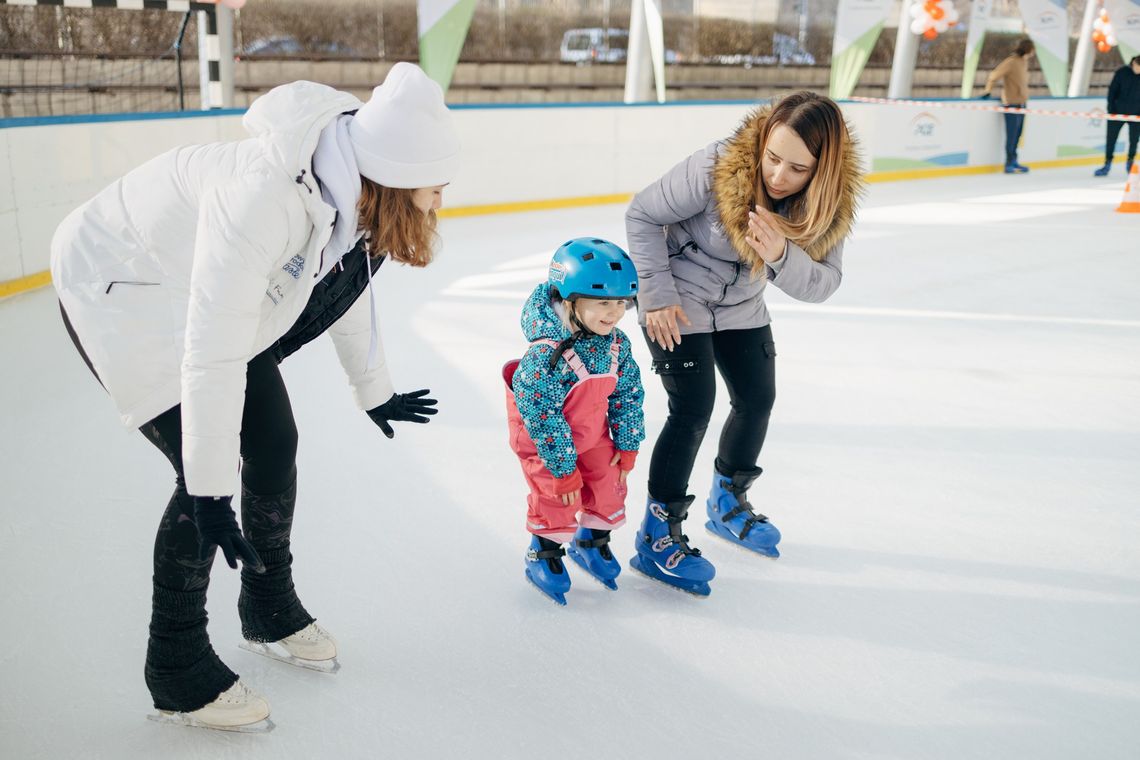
187, 281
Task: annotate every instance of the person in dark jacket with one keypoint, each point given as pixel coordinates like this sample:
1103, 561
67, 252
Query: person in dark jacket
1123, 98
773, 203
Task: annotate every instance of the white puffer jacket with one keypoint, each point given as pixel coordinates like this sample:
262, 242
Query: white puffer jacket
179, 273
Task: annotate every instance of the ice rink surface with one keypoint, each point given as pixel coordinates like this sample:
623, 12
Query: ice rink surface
953, 461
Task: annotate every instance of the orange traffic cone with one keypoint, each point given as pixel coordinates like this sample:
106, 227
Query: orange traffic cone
1131, 202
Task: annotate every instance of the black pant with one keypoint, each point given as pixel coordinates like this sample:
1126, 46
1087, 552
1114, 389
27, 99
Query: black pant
1014, 123
746, 360
182, 670
268, 454
1113, 132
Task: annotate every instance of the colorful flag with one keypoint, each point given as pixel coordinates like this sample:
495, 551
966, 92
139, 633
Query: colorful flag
443, 27
975, 35
858, 24
1047, 23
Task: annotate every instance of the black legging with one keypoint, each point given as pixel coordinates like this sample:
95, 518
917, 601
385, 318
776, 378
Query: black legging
746, 360
1112, 134
268, 454
182, 670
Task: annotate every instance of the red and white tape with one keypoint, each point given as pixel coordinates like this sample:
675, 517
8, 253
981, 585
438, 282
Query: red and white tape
996, 109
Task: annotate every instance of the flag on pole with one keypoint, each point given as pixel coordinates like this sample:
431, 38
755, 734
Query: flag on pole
1047, 23
442, 27
1125, 15
858, 24
975, 35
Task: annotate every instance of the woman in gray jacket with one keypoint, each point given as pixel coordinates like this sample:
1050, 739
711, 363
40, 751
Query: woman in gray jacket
773, 202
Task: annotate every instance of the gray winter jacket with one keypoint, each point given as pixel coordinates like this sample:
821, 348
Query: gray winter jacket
685, 255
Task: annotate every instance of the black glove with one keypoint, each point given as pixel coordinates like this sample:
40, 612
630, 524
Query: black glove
404, 407
985, 96
217, 526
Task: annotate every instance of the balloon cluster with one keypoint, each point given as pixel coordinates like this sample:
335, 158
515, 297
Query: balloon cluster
1103, 34
932, 17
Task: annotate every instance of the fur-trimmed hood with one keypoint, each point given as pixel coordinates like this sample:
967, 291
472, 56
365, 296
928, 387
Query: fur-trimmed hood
734, 187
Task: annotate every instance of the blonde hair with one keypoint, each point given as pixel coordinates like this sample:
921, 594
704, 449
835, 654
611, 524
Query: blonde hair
819, 123
393, 226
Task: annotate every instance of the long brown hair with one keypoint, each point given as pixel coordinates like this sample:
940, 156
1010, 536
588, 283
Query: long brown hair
394, 227
819, 123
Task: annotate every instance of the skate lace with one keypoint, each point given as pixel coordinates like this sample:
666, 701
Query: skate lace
237, 694
311, 633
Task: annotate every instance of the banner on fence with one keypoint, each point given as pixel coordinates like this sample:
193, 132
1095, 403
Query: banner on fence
1047, 23
858, 24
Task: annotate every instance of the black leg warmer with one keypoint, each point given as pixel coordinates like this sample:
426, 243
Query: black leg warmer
182, 670
268, 605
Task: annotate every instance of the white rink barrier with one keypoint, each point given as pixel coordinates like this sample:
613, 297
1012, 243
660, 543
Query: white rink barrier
515, 157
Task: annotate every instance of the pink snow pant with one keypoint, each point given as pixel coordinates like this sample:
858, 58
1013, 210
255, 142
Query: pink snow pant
602, 504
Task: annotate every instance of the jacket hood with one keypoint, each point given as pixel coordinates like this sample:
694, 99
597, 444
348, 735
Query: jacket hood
292, 116
734, 186
539, 320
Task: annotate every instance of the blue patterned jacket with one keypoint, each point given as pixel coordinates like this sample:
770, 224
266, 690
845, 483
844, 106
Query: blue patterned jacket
540, 392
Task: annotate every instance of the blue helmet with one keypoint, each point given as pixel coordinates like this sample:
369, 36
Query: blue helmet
592, 268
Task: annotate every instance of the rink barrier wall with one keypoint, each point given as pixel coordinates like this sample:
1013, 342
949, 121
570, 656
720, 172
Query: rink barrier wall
516, 157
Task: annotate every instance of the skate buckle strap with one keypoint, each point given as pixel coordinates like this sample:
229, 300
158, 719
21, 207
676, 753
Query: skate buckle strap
593, 543
534, 555
749, 522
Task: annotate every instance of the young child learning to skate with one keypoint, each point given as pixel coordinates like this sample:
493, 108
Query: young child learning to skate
574, 412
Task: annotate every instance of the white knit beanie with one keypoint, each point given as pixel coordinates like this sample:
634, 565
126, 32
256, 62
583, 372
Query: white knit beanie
404, 136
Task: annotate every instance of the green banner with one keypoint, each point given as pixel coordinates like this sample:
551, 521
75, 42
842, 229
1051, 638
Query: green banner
975, 36
443, 26
858, 24
846, 68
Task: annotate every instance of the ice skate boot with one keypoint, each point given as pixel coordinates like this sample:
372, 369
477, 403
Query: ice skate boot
592, 553
238, 708
663, 552
731, 516
312, 648
1104, 170
545, 570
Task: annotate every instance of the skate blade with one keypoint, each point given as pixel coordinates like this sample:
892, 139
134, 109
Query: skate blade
183, 719
609, 583
699, 589
768, 552
559, 599
275, 652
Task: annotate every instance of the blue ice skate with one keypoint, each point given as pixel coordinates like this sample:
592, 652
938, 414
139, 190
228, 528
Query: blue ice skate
731, 516
592, 553
663, 552
545, 570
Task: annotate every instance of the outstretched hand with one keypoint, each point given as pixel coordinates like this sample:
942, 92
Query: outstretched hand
217, 526
404, 407
662, 328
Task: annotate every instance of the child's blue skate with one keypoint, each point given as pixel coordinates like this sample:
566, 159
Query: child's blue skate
545, 570
663, 552
592, 553
731, 516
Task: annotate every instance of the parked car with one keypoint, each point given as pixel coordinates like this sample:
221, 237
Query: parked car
287, 45
788, 50
594, 45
